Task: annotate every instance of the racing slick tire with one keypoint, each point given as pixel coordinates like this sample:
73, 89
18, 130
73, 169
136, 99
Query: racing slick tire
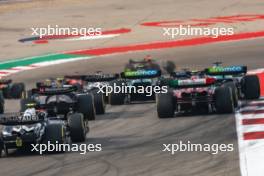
85, 106
77, 127
54, 134
116, 98
165, 105
1, 146
251, 87
6, 92
2, 103
17, 90
99, 102
224, 100
234, 92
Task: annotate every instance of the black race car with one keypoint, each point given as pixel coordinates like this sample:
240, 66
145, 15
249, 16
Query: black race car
39, 126
64, 99
93, 83
137, 82
142, 64
84, 84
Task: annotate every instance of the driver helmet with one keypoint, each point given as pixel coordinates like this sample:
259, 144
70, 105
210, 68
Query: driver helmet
29, 113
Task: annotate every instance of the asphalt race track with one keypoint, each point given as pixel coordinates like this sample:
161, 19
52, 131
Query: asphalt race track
132, 136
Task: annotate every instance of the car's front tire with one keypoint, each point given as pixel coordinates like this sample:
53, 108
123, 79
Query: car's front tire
251, 87
77, 127
116, 98
85, 106
99, 102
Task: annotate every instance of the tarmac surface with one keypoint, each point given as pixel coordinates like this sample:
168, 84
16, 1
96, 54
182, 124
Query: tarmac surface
132, 136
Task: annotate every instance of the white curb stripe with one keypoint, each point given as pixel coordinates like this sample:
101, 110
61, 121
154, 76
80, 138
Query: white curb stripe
41, 64
251, 152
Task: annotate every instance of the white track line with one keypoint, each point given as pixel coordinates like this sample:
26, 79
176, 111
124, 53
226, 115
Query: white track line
92, 37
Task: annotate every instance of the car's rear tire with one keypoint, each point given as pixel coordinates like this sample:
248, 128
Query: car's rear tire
234, 92
77, 127
99, 102
2, 103
6, 92
17, 90
165, 105
1, 146
85, 106
54, 134
251, 87
114, 97
224, 100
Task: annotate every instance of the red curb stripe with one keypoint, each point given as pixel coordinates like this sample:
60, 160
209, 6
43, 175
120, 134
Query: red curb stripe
254, 135
211, 21
261, 80
252, 112
168, 44
41, 41
3, 72
117, 31
14, 68
253, 121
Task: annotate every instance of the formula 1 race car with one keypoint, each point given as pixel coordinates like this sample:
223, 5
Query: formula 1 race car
81, 85
12, 90
142, 64
136, 85
64, 99
243, 86
33, 126
137, 82
95, 84
207, 88
200, 93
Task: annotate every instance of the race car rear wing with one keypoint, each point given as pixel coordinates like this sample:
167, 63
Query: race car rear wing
141, 74
17, 119
222, 71
94, 78
191, 83
5, 81
54, 90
